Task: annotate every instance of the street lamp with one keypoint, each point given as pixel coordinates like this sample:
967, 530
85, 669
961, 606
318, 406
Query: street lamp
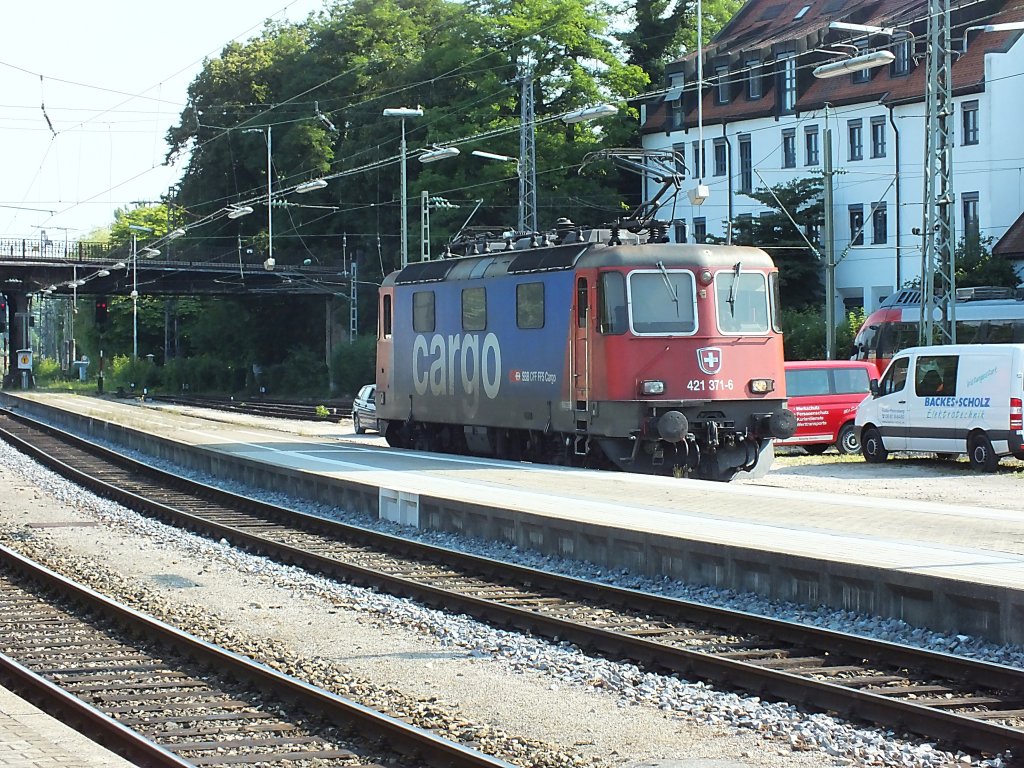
402, 113
441, 153
310, 186
1008, 26
135, 285
832, 69
269, 263
589, 113
521, 222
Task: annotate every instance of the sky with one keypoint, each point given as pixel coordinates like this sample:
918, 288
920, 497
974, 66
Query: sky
88, 91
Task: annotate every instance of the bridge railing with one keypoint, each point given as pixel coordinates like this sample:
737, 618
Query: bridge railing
26, 248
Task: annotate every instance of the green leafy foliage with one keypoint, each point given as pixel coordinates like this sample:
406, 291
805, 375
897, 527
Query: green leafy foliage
804, 333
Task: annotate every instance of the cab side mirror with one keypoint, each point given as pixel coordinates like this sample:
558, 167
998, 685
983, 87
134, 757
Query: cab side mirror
874, 387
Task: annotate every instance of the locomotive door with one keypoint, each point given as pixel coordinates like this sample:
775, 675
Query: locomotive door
581, 366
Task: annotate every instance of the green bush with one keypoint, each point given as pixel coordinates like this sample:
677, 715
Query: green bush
355, 365
47, 371
125, 372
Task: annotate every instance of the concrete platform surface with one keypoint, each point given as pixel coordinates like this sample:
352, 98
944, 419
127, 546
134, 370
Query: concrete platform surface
950, 567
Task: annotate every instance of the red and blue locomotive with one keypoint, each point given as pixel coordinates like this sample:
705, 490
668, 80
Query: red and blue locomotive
586, 350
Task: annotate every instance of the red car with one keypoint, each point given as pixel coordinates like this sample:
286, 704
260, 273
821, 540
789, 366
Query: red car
824, 395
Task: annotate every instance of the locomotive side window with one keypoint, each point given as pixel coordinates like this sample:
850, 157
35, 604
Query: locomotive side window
530, 305
662, 302
773, 284
474, 309
385, 317
742, 301
423, 320
611, 303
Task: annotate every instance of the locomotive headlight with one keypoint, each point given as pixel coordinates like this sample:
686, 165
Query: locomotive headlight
652, 387
762, 386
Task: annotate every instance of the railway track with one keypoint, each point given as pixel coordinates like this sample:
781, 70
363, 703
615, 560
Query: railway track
278, 409
163, 698
959, 702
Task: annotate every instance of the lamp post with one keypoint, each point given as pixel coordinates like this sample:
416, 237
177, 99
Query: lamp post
521, 220
269, 263
135, 285
402, 113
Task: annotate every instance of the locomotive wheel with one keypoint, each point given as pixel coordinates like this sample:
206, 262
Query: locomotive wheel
557, 453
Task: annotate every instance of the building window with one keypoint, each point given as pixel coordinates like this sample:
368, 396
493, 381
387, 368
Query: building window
722, 91
699, 163
754, 90
856, 225
811, 154
879, 224
720, 157
878, 136
700, 229
861, 75
969, 114
679, 151
746, 165
680, 231
901, 64
787, 82
855, 133
972, 229
789, 148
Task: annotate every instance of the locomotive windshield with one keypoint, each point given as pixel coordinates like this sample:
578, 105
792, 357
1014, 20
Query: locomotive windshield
662, 302
742, 301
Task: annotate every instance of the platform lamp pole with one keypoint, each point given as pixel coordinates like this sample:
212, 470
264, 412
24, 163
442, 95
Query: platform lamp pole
402, 113
135, 285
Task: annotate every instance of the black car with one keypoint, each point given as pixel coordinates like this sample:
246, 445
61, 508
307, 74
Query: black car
364, 410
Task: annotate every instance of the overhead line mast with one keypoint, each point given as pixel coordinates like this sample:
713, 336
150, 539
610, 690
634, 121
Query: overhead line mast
938, 266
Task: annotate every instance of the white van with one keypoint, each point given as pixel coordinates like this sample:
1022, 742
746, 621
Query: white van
953, 399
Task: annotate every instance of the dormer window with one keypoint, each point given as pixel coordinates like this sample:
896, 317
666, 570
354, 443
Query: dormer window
722, 91
787, 82
753, 67
902, 51
801, 13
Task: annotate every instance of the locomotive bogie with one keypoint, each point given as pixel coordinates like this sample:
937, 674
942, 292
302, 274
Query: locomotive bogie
656, 358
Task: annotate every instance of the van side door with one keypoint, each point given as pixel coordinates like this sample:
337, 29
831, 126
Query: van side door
936, 421
893, 405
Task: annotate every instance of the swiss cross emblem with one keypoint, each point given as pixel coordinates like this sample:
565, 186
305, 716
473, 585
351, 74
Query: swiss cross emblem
710, 360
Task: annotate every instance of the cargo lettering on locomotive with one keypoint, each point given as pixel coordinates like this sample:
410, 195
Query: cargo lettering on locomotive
444, 361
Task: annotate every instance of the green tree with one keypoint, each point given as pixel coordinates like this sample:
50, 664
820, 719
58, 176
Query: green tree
666, 29
975, 265
799, 265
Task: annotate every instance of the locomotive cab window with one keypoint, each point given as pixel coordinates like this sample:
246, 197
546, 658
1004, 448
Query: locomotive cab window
530, 305
423, 319
773, 283
474, 309
742, 301
662, 302
611, 303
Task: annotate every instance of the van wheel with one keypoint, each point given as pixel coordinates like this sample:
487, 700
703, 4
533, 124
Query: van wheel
848, 442
871, 446
979, 450
817, 449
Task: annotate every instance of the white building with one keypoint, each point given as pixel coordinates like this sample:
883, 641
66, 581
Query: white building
764, 117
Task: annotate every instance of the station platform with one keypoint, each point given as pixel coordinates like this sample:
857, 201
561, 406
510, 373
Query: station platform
30, 738
952, 568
